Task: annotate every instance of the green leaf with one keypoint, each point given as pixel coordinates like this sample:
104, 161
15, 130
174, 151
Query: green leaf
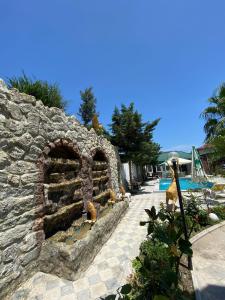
153, 212
109, 297
148, 212
185, 247
143, 223
162, 216
125, 289
150, 228
160, 297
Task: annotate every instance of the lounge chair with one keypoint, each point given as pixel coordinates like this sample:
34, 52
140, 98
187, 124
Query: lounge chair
219, 190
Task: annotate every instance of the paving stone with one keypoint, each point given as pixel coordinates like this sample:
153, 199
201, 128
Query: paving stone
103, 265
112, 284
94, 279
51, 284
83, 295
20, 294
67, 289
123, 258
37, 297
113, 261
38, 279
97, 290
106, 274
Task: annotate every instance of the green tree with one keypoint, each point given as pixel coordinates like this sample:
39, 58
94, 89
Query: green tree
87, 108
133, 137
214, 115
48, 93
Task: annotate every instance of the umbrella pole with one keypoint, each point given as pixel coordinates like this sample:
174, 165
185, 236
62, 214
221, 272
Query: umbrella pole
190, 267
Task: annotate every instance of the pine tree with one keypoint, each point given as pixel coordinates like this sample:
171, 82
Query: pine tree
132, 136
87, 108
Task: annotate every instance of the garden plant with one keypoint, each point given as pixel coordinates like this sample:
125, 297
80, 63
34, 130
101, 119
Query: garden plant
156, 271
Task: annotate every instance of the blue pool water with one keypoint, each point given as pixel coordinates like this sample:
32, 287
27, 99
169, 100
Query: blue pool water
185, 184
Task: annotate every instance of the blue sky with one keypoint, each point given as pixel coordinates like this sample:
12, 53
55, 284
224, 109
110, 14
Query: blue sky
166, 56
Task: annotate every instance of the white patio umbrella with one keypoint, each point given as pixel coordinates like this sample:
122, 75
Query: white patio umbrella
181, 161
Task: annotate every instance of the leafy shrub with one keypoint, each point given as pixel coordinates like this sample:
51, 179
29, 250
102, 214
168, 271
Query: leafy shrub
154, 274
48, 93
203, 218
192, 206
156, 270
219, 211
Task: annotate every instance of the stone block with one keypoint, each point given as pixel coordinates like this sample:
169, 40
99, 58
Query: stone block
22, 167
14, 126
2, 118
3, 177
26, 108
30, 256
4, 133
25, 140
14, 111
17, 191
13, 235
16, 153
33, 154
4, 159
10, 253
29, 178
14, 180
28, 98
29, 242
40, 142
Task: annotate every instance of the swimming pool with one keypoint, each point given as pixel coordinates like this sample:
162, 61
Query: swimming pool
185, 184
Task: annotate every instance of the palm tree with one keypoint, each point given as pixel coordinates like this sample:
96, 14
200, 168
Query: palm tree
214, 115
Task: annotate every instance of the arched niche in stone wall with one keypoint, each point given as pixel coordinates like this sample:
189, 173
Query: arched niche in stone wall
100, 177
63, 195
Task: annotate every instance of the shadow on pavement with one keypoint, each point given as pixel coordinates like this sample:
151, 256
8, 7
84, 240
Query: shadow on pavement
213, 292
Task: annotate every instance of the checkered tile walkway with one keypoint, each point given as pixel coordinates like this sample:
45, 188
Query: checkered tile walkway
110, 267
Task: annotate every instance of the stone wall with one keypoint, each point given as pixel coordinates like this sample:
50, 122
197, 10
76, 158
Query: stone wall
29, 131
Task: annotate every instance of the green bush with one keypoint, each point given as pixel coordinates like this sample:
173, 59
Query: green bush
203, 218
154, 274
219, 211
156, 270
48, 93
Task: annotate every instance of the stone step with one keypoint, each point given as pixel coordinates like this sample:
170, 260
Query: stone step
99, 165
99, 173
63, 218
61, 176
100, 179
101, 196
62, 164
64, 185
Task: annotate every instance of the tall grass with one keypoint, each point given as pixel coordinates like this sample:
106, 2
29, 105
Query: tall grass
49, 94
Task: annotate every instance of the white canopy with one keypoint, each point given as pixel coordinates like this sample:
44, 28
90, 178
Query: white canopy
181, 161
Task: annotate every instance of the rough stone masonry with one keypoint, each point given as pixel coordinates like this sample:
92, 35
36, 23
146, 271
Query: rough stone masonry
29, 132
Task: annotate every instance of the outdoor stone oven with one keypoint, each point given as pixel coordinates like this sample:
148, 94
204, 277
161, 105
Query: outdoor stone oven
50, 167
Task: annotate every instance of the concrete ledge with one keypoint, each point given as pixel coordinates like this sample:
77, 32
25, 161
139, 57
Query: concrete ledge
206, 231
193, 240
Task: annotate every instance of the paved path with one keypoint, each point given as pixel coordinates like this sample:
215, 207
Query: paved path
209, 265
110, 267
